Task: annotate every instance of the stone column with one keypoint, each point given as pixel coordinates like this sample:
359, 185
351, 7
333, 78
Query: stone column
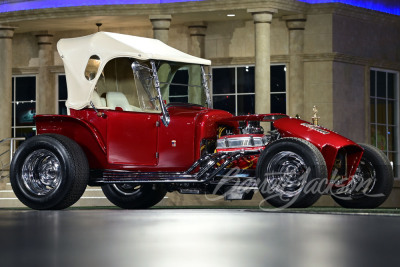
45, 92
6, 35
296, 25
161, 25
197, 39
262, 20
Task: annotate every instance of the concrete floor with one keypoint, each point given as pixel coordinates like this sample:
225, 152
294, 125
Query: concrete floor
195, 237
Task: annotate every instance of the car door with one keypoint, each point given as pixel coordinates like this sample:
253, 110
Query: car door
132, 113
132, 138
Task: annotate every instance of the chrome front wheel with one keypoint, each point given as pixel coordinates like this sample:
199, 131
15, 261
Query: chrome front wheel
285, 173
372, 183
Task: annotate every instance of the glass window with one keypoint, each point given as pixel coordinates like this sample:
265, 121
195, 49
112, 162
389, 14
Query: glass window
245, 79
384, 113
62, 94
278, 79
245, 104
23, 106
278, 89
234, 89
92, 67
181, 82
224, 102
224, 80
178, 89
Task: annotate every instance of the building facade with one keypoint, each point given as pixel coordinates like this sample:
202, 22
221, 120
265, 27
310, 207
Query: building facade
267, 56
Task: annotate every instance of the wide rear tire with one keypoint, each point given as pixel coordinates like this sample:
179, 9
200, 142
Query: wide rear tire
291, 173
49, 171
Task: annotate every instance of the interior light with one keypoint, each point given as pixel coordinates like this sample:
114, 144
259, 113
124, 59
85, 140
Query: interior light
230, 15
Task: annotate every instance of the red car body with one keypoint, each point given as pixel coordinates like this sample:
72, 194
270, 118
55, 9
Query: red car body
131, 141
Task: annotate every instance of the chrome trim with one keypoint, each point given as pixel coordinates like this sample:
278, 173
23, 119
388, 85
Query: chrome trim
205, 85
205, 174
241, 142
165, 115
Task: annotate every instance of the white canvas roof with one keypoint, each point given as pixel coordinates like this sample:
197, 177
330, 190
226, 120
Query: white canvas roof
76, 52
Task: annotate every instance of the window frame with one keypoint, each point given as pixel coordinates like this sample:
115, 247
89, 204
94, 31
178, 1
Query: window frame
58, 100
14, 127
396, 118
236, 94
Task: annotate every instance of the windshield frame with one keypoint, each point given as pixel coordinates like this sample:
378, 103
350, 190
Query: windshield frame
165, 115
205, 85
164, 107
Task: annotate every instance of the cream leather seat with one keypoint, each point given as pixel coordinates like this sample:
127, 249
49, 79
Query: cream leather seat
118, 99
97, 100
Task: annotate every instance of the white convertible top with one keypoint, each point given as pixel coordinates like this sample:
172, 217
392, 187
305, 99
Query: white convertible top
75, 53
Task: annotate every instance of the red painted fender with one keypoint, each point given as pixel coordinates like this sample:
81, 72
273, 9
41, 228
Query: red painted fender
327, 141
84, 133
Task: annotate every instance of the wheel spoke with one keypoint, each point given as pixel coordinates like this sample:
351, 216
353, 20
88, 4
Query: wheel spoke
285, 173
364, 179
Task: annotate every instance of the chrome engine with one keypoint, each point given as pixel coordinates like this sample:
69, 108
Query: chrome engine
231, 143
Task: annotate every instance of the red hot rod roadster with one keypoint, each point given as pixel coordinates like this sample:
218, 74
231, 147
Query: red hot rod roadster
140, 124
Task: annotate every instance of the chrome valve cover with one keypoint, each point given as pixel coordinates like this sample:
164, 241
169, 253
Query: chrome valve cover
241, 141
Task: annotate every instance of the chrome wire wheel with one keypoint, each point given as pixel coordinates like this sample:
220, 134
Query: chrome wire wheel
127, 189
286, 174
363, 181
41, 172
371, 184
288, 171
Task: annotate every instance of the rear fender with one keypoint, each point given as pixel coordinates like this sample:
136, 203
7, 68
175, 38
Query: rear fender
82, 132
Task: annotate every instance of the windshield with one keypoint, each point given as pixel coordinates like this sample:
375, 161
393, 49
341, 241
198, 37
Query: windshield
181, 83
132, 85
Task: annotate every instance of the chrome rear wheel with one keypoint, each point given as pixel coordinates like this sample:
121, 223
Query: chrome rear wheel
41, 172
49, 171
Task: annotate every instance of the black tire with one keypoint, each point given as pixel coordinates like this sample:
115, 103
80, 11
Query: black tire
291, 173
134, 196
49, 172
372, 183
